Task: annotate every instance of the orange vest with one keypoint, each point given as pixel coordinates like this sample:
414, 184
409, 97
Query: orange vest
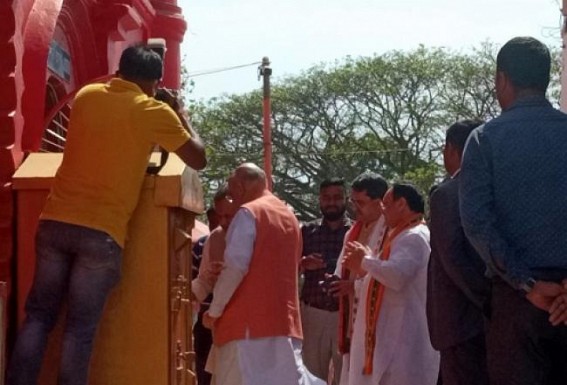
266, 302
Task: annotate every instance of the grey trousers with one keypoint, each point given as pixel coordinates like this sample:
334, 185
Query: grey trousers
320, 342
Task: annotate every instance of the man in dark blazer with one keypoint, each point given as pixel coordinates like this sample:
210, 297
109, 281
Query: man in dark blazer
457, 290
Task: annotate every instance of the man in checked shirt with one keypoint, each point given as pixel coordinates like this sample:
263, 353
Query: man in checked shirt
322, 244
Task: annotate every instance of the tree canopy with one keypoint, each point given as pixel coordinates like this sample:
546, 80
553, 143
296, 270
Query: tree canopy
386, 113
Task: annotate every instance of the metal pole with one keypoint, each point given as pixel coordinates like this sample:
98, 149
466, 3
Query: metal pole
266, 72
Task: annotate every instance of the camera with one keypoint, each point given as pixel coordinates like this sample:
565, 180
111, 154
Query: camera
327, 281
165, 95
168, 96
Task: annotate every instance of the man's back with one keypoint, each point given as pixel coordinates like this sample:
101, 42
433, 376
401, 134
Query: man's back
523, 152
266, 303
112, 130
457, 289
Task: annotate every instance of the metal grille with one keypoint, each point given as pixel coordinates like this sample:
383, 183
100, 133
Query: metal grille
57, 120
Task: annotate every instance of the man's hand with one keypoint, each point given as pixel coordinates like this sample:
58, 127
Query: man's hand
213, 272
171, 98
544, 293
208, 321
551, 297
354, 253
313, 261
341, 287
558, 310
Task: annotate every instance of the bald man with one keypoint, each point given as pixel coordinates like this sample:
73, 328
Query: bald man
255, 310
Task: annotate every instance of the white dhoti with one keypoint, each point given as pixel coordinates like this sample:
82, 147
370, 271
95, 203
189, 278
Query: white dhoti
261, 361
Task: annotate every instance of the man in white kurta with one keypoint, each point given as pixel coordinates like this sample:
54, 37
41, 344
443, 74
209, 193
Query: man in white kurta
376, 233
202, 285
367, 191
274, 360
403, 354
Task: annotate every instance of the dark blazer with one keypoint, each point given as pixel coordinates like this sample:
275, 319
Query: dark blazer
457, 290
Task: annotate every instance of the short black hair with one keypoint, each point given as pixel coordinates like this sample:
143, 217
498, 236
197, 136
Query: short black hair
331, 182
139, 62
374, 184
458, 133
527, 63
411, 194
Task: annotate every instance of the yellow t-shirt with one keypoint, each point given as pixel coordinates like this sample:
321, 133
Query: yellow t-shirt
112, 130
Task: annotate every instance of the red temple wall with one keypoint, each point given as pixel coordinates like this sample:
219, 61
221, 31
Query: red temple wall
93, 34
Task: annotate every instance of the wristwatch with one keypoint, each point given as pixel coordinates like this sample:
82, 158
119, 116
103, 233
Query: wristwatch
528, 285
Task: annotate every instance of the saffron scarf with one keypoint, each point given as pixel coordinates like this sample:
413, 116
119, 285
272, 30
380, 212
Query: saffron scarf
375, 294
345, 324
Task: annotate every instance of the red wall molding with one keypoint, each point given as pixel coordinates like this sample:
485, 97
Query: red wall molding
8, 105
37, 37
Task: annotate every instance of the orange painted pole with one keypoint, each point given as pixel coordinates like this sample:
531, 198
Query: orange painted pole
265, 71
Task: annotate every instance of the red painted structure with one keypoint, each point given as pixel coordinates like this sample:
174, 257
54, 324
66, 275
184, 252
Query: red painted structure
48, 48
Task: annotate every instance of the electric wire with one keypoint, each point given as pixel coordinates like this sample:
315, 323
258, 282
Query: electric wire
223, 69
216, 153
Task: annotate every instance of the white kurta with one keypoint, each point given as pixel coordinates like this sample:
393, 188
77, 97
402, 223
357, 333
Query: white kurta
257, 361
403, 353
374, 241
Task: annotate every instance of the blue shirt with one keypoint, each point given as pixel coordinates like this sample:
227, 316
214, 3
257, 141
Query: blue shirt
513, 191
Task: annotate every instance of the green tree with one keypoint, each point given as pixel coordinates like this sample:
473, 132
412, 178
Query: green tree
386, 113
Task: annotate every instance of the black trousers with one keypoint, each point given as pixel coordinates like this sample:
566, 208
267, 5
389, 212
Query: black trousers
465, 363
203, 339
523, 348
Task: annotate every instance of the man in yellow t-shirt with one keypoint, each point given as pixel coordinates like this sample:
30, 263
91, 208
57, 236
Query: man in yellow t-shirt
83, 226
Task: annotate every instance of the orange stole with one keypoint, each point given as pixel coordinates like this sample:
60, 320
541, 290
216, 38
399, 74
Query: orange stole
345, 326
376, 294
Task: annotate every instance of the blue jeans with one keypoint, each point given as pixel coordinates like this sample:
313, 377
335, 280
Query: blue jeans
82, 264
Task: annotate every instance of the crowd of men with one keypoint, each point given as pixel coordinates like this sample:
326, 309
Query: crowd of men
477, 296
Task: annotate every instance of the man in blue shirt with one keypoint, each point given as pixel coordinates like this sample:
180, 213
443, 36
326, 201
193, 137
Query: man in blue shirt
513, 202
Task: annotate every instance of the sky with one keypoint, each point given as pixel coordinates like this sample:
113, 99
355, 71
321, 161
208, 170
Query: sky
298, 34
